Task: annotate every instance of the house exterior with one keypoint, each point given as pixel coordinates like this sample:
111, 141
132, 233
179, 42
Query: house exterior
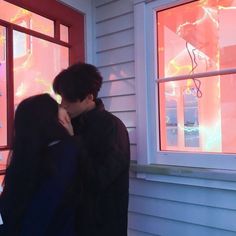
175, 189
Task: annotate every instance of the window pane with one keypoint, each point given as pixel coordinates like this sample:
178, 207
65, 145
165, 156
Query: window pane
191, 124
25, 18
3, 163
35, 69
64, 33
196, 37
207, 124
171, 122
23, 41
3, 95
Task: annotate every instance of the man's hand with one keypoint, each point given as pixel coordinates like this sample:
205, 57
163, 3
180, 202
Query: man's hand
64, 119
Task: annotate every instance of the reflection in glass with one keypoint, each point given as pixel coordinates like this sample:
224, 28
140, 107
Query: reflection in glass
25, 18
200, 39
37, 67
24, 41
191, 124
204, 124
3, 91
196, 37
171, 122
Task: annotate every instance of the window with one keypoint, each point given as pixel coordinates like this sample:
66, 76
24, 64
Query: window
35, 44
190, 81
197, 41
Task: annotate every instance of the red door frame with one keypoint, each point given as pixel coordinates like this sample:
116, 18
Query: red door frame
60, 14
63, 14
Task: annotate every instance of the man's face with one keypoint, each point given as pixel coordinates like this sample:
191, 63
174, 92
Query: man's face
74, 108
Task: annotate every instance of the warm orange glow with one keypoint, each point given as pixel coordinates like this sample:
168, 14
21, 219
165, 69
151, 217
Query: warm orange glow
200, 39
64, 33
31, 71
3, 163
35, 62
21, 13
3, 90
25, 18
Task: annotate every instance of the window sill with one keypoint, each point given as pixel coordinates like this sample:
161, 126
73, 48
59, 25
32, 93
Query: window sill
180, 171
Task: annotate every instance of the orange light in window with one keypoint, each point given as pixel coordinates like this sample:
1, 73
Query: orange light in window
198, 40
21, 13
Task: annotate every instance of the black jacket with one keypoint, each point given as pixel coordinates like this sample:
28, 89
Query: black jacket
45, 213
104, 173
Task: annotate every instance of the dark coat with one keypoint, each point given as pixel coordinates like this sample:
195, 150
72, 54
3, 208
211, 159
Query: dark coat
45, 214
104, 173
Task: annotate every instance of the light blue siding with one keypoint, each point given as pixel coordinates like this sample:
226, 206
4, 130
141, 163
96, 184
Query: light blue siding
163, 205
176, 209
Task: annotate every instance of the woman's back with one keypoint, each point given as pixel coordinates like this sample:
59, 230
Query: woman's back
44, 213
42, 168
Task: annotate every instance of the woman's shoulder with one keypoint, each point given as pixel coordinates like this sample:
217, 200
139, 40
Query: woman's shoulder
64, 155
67, 146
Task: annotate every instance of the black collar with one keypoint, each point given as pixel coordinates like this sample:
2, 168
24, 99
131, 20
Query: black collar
86, 117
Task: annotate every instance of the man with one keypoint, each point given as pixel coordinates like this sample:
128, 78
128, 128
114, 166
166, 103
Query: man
104, 173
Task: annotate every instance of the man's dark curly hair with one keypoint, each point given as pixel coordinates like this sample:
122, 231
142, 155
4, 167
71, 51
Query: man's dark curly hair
77, 81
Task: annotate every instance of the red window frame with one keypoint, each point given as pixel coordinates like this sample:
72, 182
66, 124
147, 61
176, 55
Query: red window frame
61, 14
73, 19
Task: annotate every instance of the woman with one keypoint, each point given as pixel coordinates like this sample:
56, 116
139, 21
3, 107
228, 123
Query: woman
39, 185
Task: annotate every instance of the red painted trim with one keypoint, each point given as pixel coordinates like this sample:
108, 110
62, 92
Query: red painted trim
10, 86
34, 33
57, 11
57, 30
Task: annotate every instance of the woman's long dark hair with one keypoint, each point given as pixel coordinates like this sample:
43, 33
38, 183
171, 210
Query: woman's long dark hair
36, 125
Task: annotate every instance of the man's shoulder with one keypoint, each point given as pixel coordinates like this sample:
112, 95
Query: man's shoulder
69, 143
109, 122
109, 118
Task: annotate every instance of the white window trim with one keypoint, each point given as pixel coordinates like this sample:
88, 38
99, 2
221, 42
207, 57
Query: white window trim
146, 95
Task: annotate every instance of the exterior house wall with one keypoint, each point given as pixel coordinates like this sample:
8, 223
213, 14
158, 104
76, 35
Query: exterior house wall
160, 203
114, 56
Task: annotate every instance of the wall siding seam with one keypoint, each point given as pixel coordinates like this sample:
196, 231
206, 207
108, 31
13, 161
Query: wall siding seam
115, 64
181, 221
140, 231
131, 127
130, 111
105, 63
127, 111
112, 111
132, 144
115, 96
182, 202
114, 48
115, 32
119, 80
105, 4
113, 17
133, 181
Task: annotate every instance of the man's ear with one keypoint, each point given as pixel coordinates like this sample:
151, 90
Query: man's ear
90, 97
